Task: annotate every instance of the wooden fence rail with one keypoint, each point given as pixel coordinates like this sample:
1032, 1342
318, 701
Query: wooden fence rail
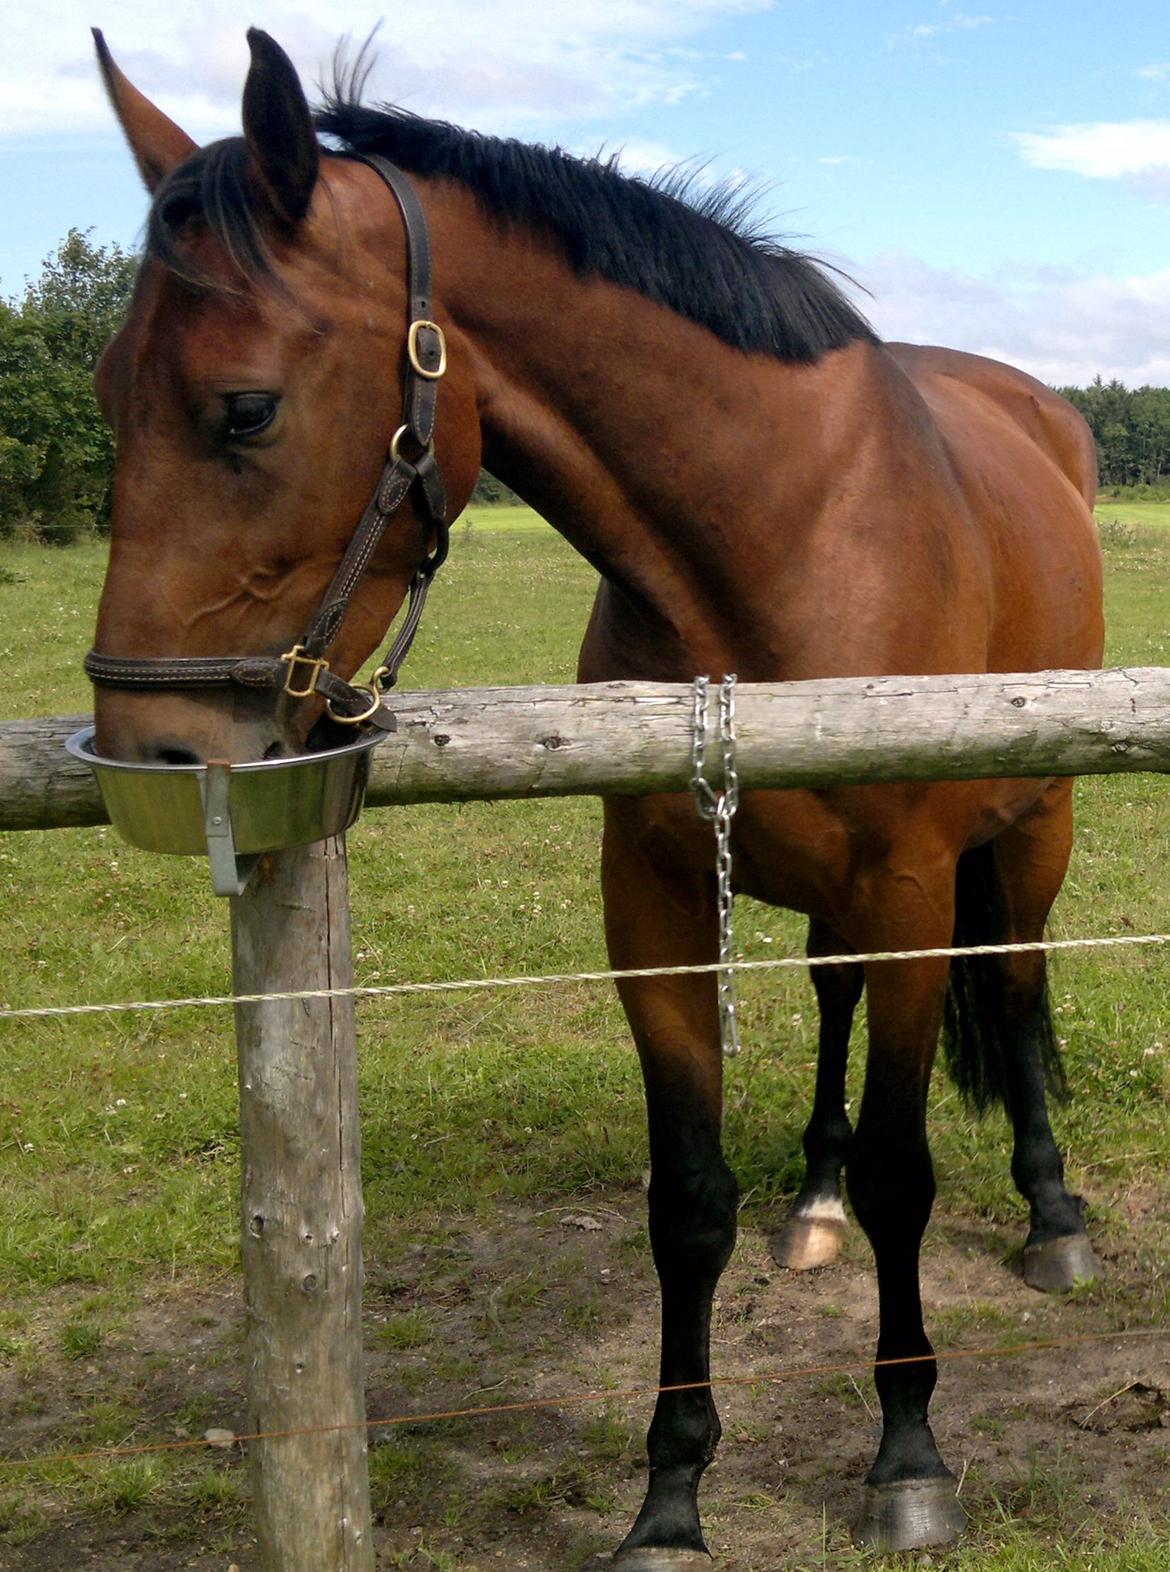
631, 738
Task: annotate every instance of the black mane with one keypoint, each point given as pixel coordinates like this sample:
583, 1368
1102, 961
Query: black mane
689, 248
693, 249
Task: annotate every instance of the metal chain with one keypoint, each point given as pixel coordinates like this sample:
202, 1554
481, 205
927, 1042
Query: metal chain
719, 808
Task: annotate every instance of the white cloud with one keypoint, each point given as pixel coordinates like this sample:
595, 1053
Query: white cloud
956, 22
1158, 71
1061, 325
1101, 150
502, 65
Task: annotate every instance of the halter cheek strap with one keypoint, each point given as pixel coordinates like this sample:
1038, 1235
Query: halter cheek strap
303, 671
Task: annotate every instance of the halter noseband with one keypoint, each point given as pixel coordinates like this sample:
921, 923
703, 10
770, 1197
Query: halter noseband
303, 670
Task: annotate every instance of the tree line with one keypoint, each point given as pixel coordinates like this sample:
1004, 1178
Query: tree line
1131, 427
56, 453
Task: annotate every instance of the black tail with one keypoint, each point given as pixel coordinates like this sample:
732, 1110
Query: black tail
981, 1027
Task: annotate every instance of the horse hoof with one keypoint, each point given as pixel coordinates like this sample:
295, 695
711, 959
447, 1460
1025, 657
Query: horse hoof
1059, 1265
910, 1515
809, 1241
657, 1558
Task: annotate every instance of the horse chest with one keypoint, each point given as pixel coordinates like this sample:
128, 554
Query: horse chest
789, 848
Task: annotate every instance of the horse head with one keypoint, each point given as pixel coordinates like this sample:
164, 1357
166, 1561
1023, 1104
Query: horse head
260, 376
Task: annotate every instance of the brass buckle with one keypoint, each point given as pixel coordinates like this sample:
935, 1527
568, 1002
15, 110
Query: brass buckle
375, 693
295, 657
416, 328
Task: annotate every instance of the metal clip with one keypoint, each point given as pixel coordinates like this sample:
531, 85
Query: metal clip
295, 657
230, 869
416, 327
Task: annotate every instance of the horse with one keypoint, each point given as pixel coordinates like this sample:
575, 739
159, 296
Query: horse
763, 486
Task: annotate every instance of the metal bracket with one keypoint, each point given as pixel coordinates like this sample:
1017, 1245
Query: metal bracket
230, 872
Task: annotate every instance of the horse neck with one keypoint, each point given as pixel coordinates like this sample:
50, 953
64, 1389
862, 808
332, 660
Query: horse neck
648, 443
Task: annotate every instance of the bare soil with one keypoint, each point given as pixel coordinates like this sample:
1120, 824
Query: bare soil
545, 1304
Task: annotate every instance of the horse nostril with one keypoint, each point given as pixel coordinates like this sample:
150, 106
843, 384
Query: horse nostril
166, 755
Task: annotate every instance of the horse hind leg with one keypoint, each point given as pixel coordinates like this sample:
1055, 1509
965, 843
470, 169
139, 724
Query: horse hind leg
815, 1225
657, 915
1000, 1035
1011, 1049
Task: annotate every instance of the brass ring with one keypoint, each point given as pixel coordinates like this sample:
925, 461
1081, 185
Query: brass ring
395, 449
356, 720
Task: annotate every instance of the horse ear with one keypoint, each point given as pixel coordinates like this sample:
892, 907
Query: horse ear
157, 143
279, 129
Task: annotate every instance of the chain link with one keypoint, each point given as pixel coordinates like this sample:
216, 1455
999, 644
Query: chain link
719, 808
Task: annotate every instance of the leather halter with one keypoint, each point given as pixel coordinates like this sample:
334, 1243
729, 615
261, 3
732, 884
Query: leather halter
303, 670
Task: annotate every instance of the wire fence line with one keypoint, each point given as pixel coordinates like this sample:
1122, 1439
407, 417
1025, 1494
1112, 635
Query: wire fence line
597, 1395
546, 979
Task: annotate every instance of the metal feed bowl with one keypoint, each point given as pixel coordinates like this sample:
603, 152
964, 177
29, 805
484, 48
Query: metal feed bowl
231, 812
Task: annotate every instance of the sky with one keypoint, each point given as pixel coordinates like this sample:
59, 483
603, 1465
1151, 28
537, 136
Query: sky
997, 180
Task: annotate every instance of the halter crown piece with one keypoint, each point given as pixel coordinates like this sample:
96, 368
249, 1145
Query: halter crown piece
303, 670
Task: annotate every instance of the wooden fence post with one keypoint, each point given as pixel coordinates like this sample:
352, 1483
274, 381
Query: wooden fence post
301, 1214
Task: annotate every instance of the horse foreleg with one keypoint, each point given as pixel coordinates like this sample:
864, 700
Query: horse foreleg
657, 916
815, 1225
910, 1492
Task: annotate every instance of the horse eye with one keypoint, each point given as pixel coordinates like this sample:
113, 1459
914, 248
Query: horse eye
248, 414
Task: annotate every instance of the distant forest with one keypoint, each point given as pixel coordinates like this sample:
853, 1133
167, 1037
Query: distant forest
1131, 427
56, 455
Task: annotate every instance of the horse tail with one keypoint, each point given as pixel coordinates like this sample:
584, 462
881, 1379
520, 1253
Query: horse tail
981, 1025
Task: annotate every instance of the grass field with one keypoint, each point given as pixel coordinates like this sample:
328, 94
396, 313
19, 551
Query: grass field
119, 1146
1147, 514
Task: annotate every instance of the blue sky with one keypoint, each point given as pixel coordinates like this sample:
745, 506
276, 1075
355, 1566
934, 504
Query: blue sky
999, 179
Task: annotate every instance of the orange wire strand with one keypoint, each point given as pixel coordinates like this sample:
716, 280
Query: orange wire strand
775, 1377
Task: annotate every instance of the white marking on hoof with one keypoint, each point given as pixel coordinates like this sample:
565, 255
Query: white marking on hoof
823, 1209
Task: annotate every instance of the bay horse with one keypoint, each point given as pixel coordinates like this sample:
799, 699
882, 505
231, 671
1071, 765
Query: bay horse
763, 486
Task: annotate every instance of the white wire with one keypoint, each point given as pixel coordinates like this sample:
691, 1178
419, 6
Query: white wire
472, 984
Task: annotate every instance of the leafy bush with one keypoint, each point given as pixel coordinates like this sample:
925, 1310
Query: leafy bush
56, 453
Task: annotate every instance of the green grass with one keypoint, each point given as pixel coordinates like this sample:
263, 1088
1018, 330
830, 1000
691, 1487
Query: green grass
1124, 511
498, 518
118, 1135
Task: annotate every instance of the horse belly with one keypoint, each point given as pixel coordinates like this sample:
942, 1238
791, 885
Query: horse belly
812, 852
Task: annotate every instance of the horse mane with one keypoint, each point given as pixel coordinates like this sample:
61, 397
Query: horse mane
693, 248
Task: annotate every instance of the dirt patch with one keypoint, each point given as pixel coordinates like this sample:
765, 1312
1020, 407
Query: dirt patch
547, 1304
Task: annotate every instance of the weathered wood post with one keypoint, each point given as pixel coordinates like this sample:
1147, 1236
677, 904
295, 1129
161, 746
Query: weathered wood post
301, 1216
